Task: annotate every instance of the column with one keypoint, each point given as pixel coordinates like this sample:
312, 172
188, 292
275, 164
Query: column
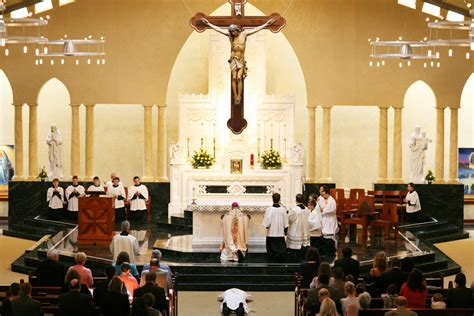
75, 140
33, 143
161, 145
19, 170
397, 145
311, 158
439, 157
89, 142
383, 148
147, 170
326, 140
453, 147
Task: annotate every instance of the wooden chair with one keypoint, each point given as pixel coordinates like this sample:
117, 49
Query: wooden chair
339, 196
362, 216
378, 198
388, 219
356, 196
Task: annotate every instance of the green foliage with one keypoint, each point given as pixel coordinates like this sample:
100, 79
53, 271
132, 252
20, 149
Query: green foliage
201, 158
271, 159
42, 173
430, 176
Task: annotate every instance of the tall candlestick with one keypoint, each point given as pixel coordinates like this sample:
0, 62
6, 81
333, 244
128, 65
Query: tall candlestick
187, 146
284, 157
202, 142
258, 148
214, 147
271, 143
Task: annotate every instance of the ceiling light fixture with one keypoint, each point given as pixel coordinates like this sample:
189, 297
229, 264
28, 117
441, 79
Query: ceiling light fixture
454, 16
408, 3
431, 9
43, 6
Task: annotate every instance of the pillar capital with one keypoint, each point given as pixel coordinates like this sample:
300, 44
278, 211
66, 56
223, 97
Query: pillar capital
18, 104
148, 106
89, 105
327, 107
75, 105
31, 105
440, 108
383, 107
311, 106
161, 106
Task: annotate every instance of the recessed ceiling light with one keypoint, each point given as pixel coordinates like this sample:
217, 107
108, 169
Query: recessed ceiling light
454, 17
408, 3
431, 9
43, 6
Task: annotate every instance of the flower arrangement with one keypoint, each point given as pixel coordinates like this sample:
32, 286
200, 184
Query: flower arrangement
42, 175
202, 158
271, 159
430, 177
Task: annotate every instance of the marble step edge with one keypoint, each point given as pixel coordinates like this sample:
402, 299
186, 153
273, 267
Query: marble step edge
439, 232
23, 235
20, 226
244, 287
446, 238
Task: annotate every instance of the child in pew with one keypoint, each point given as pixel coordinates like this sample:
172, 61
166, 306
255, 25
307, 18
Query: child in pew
390, 297
437, 301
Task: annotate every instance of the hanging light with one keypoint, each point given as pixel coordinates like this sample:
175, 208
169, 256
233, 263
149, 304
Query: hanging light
88, 61
103, 61
400, 64
468, 55
36, 62
41, 61
425, 65
409, 63
52, 62
371, 63
437, 55
25, 49
378, 64
383, 62
62, 61
432, 63
438, 64
450, 52
77, 62
7, 51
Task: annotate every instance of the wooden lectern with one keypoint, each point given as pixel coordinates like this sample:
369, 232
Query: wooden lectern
96, 220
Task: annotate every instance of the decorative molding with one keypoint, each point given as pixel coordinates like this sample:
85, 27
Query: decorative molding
235, 178
225, 208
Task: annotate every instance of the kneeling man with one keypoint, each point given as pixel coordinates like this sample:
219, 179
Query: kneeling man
235, 227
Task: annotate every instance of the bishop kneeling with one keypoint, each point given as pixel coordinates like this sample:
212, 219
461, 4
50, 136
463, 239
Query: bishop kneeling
235, 227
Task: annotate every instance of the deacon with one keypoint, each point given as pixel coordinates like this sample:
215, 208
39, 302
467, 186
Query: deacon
315, 222
73, 192
275, 221
55, 199
235, 227
327, 206
138, 196
413, 207
117, 191
298, 231
96, 187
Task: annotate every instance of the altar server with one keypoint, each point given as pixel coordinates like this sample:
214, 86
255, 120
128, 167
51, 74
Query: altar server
315, 225
118, 193
275, 221
138, 196
55, 198
298, 231
413, 207
125, 242
235, 228
73, 192
327, 206
110, 183
96, 187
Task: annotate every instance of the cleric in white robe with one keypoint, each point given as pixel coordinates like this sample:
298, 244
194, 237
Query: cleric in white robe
327, 206
275, 221
96, 187
235, 300
315, 225
298, 230
110, 183
138, 196
125, 242
55, 199
73, 192
235, 229
117, 191
413, 206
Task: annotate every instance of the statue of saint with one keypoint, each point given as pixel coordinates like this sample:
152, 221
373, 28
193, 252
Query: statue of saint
418, 146
298, 153
54, 142
238, 42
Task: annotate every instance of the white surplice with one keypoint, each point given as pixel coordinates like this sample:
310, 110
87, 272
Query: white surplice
413, 204
54, 201
275, 220
117, 192
138, 203
298, 231
328, 214
123, 242
233, 297
73, 201
315, 223
94, 188
235, 229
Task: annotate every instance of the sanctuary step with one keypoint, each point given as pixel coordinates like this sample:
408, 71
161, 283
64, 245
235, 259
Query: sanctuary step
441, 231
177, 225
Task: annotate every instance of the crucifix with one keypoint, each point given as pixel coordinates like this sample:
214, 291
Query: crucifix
237, 27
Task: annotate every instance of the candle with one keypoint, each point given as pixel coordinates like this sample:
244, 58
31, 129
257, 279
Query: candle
252, 160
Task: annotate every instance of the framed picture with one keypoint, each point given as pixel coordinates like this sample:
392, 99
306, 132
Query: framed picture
236, 166
466, 171
7, 168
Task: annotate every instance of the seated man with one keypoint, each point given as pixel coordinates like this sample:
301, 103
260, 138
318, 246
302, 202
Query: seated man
349, 265
51, 272
25, 305
163, 277
402, 303
138, 196
234, 300
96, 188
55, 199
125, 242
74, 302
6, 302
156, 254
158, 292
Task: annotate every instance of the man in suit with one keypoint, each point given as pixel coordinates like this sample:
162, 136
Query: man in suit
102, 287
349, 265
75, 303
315, 298
150, 286
51, 272
25, 305
401, 303
460, 296
6, 302
393, 276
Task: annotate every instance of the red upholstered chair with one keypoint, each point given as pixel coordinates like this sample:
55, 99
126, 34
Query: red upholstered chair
362, 216
388, 219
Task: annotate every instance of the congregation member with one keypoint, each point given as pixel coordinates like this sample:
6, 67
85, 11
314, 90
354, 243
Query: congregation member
394, 275
128, 279
150, 302
150, 286
413, 206
309, 268
352, 310
156, 254
114, 302
25, 305
51, 272
55, 199
328, 308
401, 304
163, 279
85, 273
324, 268
414, 290
234, 300
338, 279
437, 301
460, 296
138, 196
275, 220
125, 242
379, 266
323, 282
101, 287
327, 206
117, 191
139, 307
71, 275
350, 299
349, 265
315, 222
298, 227
314, 299
365, 300
73, 192
75, 303
122, 258
235, 228
6, 302
96, 187
390, 297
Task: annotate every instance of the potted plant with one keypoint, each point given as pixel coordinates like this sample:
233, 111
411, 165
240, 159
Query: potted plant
270, 159
430, 177
42, 175
201, 159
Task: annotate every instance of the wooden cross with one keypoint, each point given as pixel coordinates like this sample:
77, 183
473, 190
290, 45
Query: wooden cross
237, 122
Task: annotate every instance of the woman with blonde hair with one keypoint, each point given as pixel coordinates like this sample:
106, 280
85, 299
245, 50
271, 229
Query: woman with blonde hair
351, 297
328, 308
380, 265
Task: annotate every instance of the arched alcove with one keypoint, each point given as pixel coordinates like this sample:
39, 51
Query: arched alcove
54, 108
6, 110
419, 109
466, 114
